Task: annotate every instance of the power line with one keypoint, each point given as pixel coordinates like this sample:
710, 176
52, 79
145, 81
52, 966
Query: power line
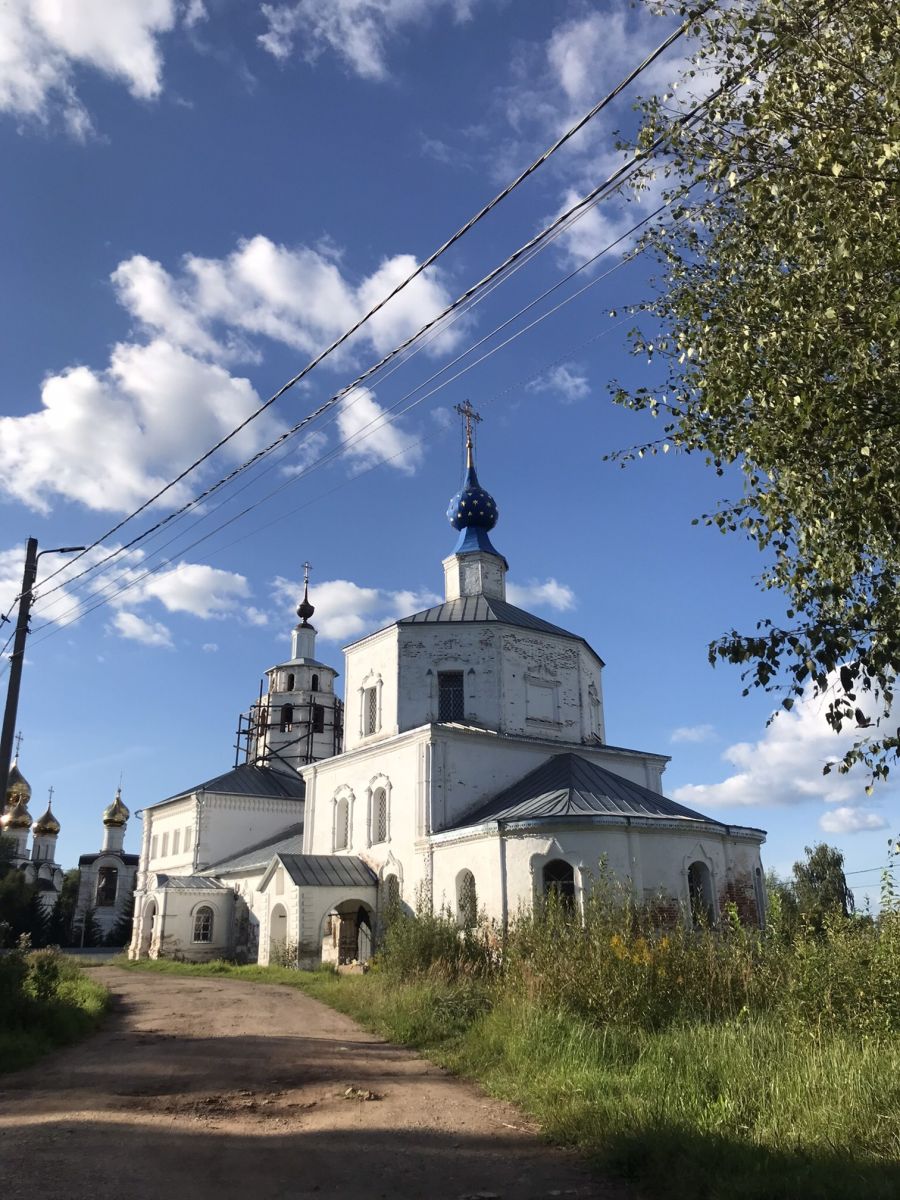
60, 623
420, 267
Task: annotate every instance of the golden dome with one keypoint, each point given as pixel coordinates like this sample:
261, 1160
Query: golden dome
116, 814
16, 817
17, 786
47, 825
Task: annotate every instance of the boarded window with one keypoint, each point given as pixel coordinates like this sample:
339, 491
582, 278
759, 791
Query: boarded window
318, 718
107, 886
379, 816
370, 710
451, 703
203, 924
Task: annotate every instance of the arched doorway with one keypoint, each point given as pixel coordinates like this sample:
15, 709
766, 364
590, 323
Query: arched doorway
347, 933
277, 933
148, 929
700, 893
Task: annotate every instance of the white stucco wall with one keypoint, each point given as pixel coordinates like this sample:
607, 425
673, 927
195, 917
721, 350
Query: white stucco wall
370, 663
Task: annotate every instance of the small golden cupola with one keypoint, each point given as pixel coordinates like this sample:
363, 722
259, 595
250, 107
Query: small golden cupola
115, 815
47, 825
17, 817
17, 786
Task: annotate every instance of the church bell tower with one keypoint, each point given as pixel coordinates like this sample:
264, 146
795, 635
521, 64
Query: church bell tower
299, 719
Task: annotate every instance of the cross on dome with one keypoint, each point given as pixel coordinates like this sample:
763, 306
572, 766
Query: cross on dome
304, 609
472, 510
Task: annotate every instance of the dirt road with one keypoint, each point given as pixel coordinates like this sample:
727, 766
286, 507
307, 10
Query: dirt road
209, 1089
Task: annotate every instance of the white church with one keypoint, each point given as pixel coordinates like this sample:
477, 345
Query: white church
466, 769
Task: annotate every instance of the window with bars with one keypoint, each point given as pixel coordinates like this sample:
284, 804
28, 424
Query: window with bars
451, 703
370, 710
203, 924
379, 816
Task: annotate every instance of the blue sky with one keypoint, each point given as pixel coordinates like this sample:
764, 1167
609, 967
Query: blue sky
197, 198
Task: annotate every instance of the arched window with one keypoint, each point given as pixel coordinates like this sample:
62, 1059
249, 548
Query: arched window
559, 881
203, 924
318, 718
287, 718
466, 900
342, 824
290, 683
701, 895
314, 684
390, 898
379, 815
107, 885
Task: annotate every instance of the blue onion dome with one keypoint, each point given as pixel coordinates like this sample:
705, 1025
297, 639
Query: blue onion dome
473, 507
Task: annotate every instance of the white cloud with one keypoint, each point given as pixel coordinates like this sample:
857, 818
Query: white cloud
109, 439
210, 647
356, 30
785, 767
374, 435
298, 295
549, 594
197, 589
346, 610
42, 41
693, 733
851, 820
566, 380
150, 633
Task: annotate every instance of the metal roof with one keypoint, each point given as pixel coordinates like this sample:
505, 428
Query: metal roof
328, 870
189, 883
130, 860
250, 780
475, 609
568, 785
260, 854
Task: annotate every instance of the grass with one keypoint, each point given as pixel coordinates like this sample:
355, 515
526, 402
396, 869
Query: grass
744, 1108
45, 1002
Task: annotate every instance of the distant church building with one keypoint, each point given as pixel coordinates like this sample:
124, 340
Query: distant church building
468, 769
106, 879
38, 865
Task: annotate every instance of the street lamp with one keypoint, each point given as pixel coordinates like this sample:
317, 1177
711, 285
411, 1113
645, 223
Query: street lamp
17, 657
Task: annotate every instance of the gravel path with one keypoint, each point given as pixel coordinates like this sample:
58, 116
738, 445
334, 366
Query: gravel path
213, 1089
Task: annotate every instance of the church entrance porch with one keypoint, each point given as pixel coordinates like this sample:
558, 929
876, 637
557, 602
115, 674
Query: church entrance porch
347, 934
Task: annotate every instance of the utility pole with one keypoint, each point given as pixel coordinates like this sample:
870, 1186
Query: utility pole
17, 658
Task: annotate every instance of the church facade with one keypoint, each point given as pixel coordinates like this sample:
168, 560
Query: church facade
466, 770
